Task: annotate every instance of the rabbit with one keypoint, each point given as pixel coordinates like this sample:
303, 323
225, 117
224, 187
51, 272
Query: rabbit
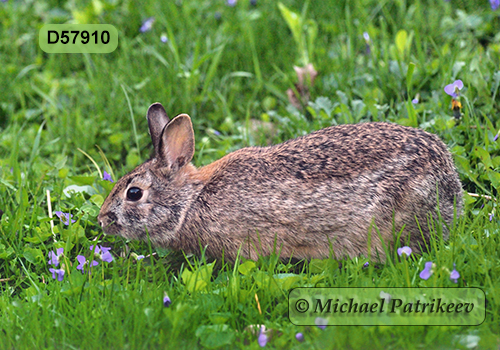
343, 191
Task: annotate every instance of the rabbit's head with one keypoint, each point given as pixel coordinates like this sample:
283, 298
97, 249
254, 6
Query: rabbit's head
152, 200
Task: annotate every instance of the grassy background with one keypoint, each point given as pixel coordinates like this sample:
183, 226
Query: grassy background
229, 68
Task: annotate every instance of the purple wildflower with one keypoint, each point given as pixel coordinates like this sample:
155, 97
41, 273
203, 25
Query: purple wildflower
494, 4
64, 217
103, 253
454, 275
496, 136
163, 38
321, 323
140, 257
81, 259
231, 3
416, 99
405, 250
263, 338
491, 217
58, 272
107, 177
166, 301
368, 49
366, 264
147, 25
54, 257
454, 88
426, 272
299, 337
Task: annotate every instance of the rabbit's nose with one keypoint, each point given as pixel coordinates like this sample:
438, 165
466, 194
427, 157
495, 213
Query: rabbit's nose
100, 221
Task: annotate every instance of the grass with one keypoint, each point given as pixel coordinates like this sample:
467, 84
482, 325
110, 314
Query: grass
67, 118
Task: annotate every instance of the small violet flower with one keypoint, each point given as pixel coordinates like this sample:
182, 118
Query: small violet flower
147, 25
263, 338
140, 257
107, 177
81, 259
163, 38
54, 257
405, 250
426, 272
58, 272
366, 264
64, 217
366, 36
321, 323
454, 275
103, 253
231, 3
166, 301
496, 136
454, 88
494, 4
491, 217
416, 100
299, 337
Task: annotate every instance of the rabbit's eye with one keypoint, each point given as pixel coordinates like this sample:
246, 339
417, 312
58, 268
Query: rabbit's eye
134, 194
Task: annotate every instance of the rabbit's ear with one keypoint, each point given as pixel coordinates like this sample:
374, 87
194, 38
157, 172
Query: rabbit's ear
157, 119
177, 142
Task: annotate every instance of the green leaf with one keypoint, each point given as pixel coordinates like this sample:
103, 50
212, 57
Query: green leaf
40, 235
36, 144
287, 280
5, 253
107, 185
401, 39
33, 255
78, 189
318, 265
215, 336
266, 282
198, 280
219, 317
482, 154
62, 173
494, 178
293, 20
409, 77
246, 267
73, 234
97, 200
83, 180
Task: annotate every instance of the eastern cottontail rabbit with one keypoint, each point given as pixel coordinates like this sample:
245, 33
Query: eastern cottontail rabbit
311, 197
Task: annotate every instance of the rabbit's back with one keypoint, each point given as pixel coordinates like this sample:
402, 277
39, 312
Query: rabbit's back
323, 193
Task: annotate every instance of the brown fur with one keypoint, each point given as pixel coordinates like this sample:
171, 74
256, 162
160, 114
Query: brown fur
307, 198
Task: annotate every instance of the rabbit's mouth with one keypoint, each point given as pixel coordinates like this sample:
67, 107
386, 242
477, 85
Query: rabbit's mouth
109, 223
